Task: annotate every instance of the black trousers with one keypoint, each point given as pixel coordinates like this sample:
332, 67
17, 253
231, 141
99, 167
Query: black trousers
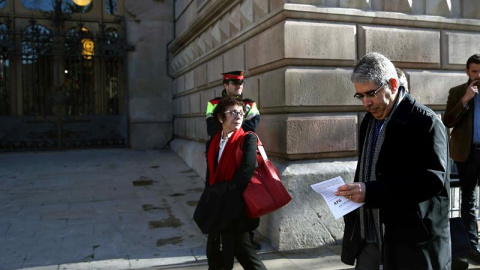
469, 174
223, 247
369, 257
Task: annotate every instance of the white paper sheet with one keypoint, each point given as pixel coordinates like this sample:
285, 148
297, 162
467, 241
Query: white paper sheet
339, 205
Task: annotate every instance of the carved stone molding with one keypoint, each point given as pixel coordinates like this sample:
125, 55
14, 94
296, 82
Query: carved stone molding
204, 42
439, 8
399, 6
471, 9
360, 4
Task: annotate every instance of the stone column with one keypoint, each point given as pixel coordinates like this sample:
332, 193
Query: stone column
149, 30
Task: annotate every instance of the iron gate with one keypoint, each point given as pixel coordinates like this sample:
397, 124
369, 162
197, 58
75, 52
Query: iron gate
61, 89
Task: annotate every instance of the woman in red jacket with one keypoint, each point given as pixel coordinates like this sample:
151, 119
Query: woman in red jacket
228, 230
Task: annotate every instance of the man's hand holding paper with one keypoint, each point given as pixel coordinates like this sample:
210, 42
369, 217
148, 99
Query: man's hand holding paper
353, 191
339, 205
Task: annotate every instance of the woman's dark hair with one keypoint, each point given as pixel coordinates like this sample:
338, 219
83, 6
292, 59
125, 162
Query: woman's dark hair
219, 111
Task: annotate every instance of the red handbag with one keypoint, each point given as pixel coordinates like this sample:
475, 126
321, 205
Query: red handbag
265, 193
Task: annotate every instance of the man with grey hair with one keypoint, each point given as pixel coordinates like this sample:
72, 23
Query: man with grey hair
401, 178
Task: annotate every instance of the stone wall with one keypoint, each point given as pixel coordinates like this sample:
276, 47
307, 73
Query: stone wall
298, 56
149, 29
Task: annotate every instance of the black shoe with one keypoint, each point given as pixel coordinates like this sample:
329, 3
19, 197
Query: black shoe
474, 257
256, 245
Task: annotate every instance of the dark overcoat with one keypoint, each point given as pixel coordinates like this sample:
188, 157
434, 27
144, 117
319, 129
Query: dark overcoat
461, 120
221, 207
411, 192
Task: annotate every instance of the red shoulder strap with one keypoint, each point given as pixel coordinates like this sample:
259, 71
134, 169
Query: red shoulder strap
259, 143
260, 149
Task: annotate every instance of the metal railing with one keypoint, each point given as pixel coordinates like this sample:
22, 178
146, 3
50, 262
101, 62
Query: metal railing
455, 193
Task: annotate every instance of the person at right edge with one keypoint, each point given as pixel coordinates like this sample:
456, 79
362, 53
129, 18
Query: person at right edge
401, 177
463, 115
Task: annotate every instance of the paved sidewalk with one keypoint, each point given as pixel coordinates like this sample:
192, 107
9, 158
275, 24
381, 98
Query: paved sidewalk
111, 209
97, 209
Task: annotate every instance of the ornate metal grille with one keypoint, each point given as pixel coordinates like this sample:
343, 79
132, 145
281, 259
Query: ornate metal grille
37, 74
61, 89
5, 96
79, 72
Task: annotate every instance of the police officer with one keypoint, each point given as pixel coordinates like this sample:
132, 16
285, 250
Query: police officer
233, 86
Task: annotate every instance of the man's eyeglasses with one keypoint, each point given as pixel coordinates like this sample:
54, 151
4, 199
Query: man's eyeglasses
235, 113
237, 82
369, 94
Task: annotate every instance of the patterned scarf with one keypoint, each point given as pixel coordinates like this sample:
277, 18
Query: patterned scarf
370, 227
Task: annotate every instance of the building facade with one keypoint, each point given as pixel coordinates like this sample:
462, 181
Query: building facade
298, 55
80, 74
139, 74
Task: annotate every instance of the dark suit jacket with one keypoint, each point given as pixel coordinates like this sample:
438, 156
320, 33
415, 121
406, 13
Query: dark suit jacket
411, 191
461, 120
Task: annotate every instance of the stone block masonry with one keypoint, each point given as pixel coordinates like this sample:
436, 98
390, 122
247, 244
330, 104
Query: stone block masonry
298, 56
